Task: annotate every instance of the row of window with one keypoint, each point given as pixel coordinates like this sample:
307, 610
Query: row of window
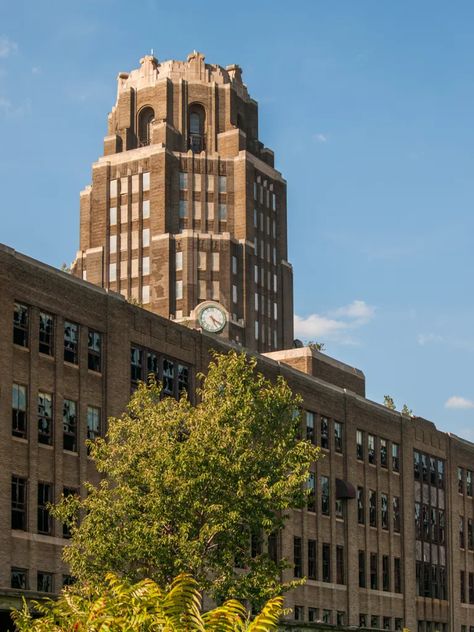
429, 469
270, 224
430, 523
263, 192
19, 579
70, 350
431, 580
470, 533
172, 375
186, 205
326, 428
129, 184
325, 572
373, 509
378, 446
375, 621
390, 580
437, 626
121, 215
45, 496
465, 481
338, 617
200, 182
469, 597
45, 418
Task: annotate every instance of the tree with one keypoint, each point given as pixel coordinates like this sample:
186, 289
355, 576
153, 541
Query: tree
388, 402
407, 411
188, 488
120, 606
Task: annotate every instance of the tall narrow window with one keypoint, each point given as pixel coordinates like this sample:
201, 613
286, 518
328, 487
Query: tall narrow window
68, 491
136, 365
340, 565
326, 552
310, 426
396, 514
19, 411
297, 557
168, 377
372, 508
273, 547
385, 573
383, 453
395, 457
338, 436
373, 571
46, 333
397, 575
325, 502
324, 432
371, 448
19, 578
196, 128
45, 418
18, 503
362, 580
45, 496
359, 445
462, 586
70, 425
462, 542
20, 325
94, 351
44, 582
71, 340
469, 482
460, 480
145, 119
360, 506
93, 423
312, 564
311, 500
384, 510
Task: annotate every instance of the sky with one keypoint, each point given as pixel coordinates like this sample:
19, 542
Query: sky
368, 106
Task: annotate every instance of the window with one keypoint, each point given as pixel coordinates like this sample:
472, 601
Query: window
19, 578
395, 457
325, 495
234, 296
310, 426
145, 119
112, 272
469, 482
383, 453
384, 510
398, 624
397, 575
462, 542
462, 586
18, 503
471, 588
339, 509
183, 180
325, 432
179, 261
470, 534
136, 364
362, 580
222, 210
387, 623
385, 573
360, 506
311, 500
46, 333
340, 564
372, 508
19, 411
182, 208
417, 465
338, 436
371, 449
45, 418
339, 618
196, 128
460, 480
373, 571
67, 491
45, 496
93, 423
374, 621
68, 580
71, 338
362, 620
313, 614
179, 290
44, 582
222, 184
326, 563
298, 613
297, 557
327, 616
94, 348
312, 564
359, 445
70, 425
20, 325
396, 514
273, 547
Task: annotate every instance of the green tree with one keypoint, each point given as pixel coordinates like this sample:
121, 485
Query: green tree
407, 411
187, 488
120, 606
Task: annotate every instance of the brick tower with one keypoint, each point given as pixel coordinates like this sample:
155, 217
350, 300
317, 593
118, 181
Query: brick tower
186, 213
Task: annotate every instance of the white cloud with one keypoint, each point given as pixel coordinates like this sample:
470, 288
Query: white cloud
7, 47
424, 339
336, 325
459, 403
321, 138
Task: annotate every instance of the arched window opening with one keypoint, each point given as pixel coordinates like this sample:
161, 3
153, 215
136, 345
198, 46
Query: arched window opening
145, 120
240, 122
197, 139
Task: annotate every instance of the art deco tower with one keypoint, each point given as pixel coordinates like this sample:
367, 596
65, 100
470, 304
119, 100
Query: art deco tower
186, 210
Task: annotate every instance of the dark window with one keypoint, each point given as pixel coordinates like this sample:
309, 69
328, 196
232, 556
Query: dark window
360, 506
469, 482
255, 545
359, 445
44, 582
273, 547
374, 621
70, 425
68, 580
297, 557
374, 583
397, 575
19, 411
441, 526
387, 623
471, 587
45, 418
396, 514
433, 472
298, 613
311, 501
383, 453
45, 496
71, 340
313, 615
327, 616
68, 491
424, 468
362, 620
371, 449
46, 334
20, 325
183, 379
325, 432
136, 365
418, 529
470, 534
340, 618
372, 508
173, 376
93, 423
395, 457
460, 480
94, 351
462, 542
325, 502
384, 510
417, 465
312, 564
326, 563
338, 436
339, 509
18, 501
462, 587
362, 579
196, 128
19, 578
398, 624
340, 565
310, 426
168, 377
385, 573
145, 119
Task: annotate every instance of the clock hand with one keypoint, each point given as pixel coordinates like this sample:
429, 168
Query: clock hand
216, 322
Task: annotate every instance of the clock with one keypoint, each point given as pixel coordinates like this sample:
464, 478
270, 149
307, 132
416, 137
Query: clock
212, 318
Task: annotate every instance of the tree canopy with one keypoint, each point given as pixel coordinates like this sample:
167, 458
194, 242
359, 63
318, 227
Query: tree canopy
195, 488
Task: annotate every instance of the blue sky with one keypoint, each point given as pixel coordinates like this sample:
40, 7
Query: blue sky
368, 106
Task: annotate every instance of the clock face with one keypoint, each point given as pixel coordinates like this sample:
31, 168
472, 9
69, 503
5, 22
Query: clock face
212, 318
